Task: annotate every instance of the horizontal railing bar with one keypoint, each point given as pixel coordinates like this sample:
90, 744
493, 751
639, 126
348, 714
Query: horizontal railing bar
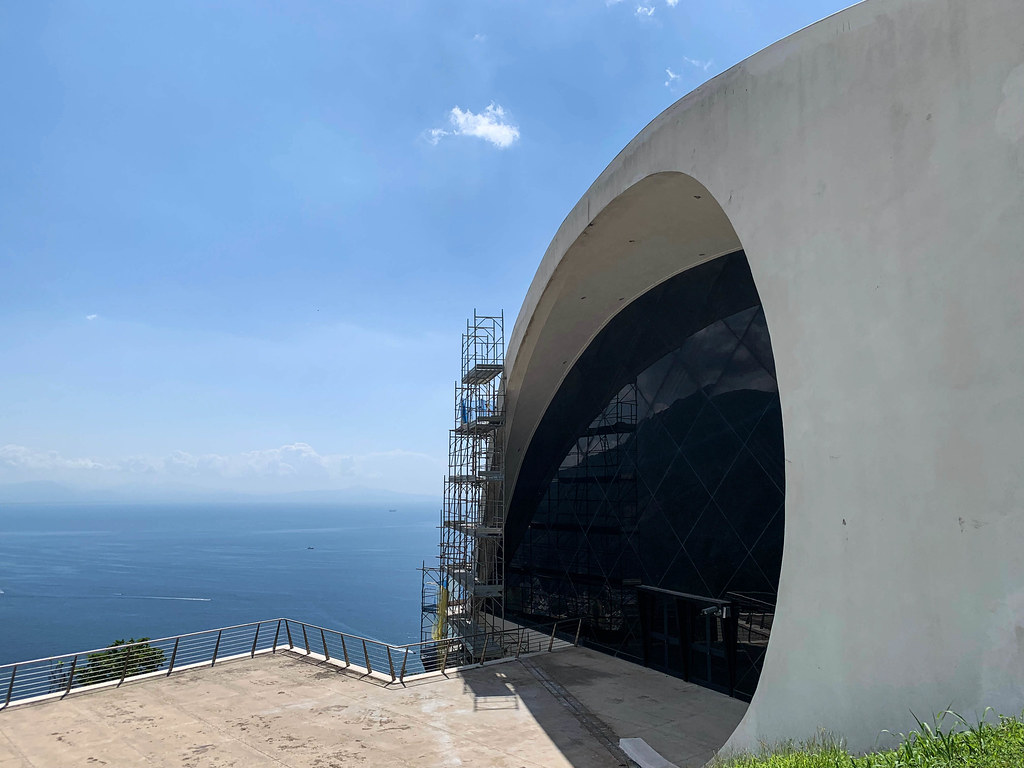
240, 642
185, 648
346, 634
230, 646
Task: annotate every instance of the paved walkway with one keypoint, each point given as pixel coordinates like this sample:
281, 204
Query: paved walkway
557, 710
685, 723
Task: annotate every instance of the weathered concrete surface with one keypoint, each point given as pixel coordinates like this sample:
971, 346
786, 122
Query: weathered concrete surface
284, 711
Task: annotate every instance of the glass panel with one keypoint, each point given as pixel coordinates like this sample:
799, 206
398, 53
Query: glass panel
660, 463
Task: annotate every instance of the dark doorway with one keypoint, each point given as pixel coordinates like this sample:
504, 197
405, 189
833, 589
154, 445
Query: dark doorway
690, 636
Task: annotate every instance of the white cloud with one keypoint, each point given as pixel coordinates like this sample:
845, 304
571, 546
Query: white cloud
91, 317
490, 125
295, 461
675, 78
20, 458
644, 10
291, 467
479, 38
701, 65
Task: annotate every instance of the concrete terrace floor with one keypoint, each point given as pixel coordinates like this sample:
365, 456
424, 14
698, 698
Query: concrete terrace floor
567, 708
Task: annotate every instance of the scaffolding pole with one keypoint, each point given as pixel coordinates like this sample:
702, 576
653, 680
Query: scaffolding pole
464, 594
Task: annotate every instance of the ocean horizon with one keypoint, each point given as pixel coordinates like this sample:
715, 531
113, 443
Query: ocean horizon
74, 577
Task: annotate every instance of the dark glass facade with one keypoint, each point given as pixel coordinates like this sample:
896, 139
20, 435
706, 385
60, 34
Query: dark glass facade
651, 498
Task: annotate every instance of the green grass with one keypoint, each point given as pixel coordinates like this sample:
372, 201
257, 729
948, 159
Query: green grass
951, 742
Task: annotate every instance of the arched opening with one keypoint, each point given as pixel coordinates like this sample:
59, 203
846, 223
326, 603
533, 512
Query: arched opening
650, 500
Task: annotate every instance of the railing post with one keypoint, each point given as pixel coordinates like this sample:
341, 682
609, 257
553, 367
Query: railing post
305, 637
483, 653
366, 655
405, 660
216, 648
323, 639
519, 643
391, 665
255, 639
344, 651
71, 676
552, 643
444, 657
174, 655
278, 632
10, 685
124, 669
579, 628
288, 631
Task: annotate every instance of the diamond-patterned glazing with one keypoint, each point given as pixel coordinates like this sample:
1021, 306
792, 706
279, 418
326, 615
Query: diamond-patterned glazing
659, 470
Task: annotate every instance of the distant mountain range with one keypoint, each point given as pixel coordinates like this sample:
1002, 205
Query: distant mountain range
55, 493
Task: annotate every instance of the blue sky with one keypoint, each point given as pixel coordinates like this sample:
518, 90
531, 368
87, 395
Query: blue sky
239, 240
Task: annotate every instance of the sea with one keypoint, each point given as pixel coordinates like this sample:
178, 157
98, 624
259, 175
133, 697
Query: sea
77, 577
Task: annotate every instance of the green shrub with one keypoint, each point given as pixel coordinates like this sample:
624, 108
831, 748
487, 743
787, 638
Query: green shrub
121, 658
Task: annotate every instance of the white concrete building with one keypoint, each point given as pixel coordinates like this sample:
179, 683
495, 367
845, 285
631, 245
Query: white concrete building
871, 169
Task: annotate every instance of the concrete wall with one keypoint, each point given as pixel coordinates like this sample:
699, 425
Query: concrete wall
872, 167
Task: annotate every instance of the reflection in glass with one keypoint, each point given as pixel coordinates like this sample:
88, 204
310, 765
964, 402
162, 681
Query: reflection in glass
650, 501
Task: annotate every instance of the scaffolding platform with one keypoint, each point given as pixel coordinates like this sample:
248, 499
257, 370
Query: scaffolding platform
481, 373
467, 582
482, 477
480, 531
480, 425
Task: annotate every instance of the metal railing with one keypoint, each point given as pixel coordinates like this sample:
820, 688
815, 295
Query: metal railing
510, 643
754, 617
57, 676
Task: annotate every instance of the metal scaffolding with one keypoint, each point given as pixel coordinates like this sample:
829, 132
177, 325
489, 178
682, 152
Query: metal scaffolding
464, 593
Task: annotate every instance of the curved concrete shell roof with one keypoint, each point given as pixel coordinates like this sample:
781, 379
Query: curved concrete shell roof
872, 168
